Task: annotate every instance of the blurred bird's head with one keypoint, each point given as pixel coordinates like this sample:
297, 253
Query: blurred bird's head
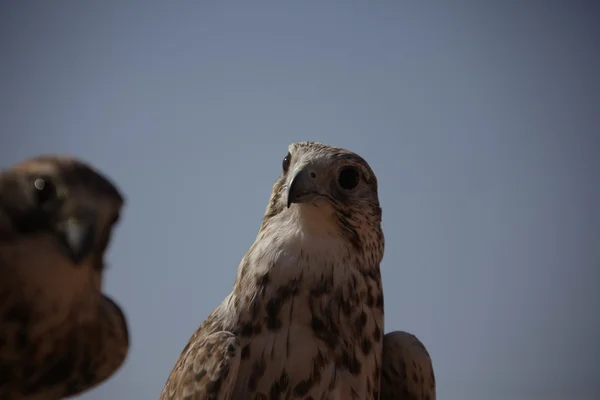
60, 203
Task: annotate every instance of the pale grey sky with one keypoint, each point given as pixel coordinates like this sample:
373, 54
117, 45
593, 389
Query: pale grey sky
481, 120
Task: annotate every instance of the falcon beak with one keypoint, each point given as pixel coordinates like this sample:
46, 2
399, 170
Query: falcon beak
76, 238
304, 187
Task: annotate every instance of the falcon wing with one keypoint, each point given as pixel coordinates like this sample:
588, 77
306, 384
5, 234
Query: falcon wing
206, 369
407, 370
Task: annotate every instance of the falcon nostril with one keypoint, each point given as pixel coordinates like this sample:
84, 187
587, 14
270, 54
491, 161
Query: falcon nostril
313, 175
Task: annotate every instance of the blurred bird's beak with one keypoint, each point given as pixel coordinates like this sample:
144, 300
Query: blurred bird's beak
304, 187
76, 237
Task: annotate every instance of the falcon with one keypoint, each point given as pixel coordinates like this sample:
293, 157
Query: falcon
59, 335
305, 317
407, 370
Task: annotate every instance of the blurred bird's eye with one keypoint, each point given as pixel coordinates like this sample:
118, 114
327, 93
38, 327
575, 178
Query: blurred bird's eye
286, 162
45, 190
349, 178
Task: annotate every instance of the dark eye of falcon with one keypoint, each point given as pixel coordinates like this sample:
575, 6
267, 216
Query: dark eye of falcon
45, 191
348, 178
286, 162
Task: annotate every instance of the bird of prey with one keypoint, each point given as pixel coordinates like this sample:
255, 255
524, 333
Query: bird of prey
407, 370
305, 317
59, 335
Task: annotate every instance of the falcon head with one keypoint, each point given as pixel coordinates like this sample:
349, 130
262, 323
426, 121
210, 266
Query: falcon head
60, 204
327, 190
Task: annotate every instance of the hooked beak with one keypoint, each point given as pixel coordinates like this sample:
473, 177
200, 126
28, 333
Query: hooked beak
304, 187
76, 238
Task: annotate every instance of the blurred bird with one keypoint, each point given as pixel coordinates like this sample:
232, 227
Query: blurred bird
59, 335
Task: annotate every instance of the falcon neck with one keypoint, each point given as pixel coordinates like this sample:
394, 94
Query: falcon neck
300, 247
289, 268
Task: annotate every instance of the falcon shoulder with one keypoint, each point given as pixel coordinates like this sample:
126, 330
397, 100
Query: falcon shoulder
407, 370
59, 335
207, 367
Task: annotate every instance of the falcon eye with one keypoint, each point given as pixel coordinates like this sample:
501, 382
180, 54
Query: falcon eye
45, 190
286, 162
349, 178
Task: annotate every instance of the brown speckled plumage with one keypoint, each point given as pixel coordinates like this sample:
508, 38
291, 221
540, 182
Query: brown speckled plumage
305, 317
59, 335
407, 370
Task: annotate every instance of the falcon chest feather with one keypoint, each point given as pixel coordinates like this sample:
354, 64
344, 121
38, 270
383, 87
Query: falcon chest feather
313, 319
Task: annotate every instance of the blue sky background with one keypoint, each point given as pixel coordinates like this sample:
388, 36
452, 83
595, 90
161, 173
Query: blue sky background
481, 120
